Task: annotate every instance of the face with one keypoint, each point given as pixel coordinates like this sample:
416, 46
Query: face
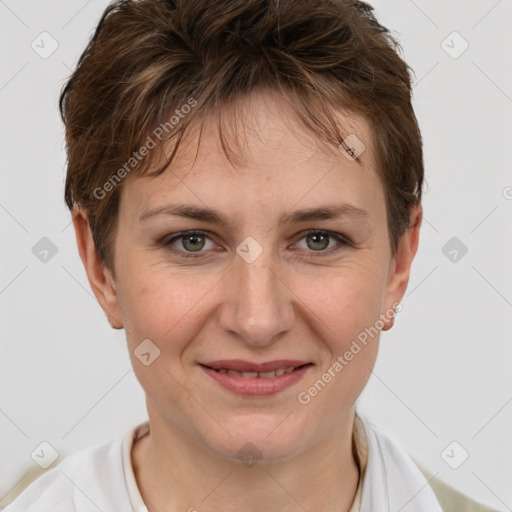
264, 288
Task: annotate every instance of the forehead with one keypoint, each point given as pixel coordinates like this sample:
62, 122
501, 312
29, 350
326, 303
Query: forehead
275, 160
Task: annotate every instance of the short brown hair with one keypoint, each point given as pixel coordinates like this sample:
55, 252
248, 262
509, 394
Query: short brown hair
148, 58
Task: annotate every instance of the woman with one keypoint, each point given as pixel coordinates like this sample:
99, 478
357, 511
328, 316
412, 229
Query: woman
245, 184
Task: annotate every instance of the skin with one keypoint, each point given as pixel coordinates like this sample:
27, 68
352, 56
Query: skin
283, 305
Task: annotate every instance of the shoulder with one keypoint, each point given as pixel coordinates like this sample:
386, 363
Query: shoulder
449, 498
87, 480
49, 491
399, 465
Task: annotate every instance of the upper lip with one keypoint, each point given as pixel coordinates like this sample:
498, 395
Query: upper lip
246, 366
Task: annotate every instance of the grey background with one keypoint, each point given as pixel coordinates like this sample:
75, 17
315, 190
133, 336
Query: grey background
443, 372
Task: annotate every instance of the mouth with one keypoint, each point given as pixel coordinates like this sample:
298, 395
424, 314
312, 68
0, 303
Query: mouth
252, 379
261, 375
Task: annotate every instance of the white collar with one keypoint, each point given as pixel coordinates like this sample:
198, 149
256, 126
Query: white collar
392, 481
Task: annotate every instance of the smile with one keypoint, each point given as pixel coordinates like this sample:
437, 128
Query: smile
243, 381
263, 375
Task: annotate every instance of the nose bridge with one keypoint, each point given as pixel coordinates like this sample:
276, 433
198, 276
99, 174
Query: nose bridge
257, 306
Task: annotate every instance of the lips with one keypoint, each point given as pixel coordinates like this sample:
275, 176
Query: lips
253, 379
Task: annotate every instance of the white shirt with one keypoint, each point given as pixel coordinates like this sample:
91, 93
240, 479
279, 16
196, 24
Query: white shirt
102, 478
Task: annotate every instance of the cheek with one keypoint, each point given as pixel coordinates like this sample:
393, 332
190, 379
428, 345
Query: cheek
167, 307
345, 300
163, 303
345, 307
160, 303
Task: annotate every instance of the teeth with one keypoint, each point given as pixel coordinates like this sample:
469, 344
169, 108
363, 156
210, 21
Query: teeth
252, 375
248, 375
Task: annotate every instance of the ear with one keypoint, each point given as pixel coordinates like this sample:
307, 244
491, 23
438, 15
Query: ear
100, 278
400, 265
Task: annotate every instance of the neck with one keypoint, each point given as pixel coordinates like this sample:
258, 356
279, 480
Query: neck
178, 474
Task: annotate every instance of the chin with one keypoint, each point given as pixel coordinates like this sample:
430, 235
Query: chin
259, 438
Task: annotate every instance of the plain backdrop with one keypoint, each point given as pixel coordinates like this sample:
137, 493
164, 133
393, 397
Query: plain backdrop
444, 370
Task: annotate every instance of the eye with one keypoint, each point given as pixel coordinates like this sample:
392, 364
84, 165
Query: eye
321, 242
190, 242
193, 244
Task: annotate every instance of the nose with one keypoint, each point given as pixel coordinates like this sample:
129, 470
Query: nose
257, 304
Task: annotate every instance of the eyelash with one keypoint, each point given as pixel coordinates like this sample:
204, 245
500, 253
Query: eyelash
343, 242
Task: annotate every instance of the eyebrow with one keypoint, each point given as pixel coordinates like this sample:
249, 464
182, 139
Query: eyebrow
210, 215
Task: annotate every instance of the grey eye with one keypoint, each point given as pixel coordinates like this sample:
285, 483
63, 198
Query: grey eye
319, 241
193, 242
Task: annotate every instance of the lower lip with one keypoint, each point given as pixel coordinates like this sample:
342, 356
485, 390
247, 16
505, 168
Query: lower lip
256, 386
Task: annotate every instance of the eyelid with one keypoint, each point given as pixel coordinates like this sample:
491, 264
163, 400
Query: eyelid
333, 234
167, 241
343, 242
